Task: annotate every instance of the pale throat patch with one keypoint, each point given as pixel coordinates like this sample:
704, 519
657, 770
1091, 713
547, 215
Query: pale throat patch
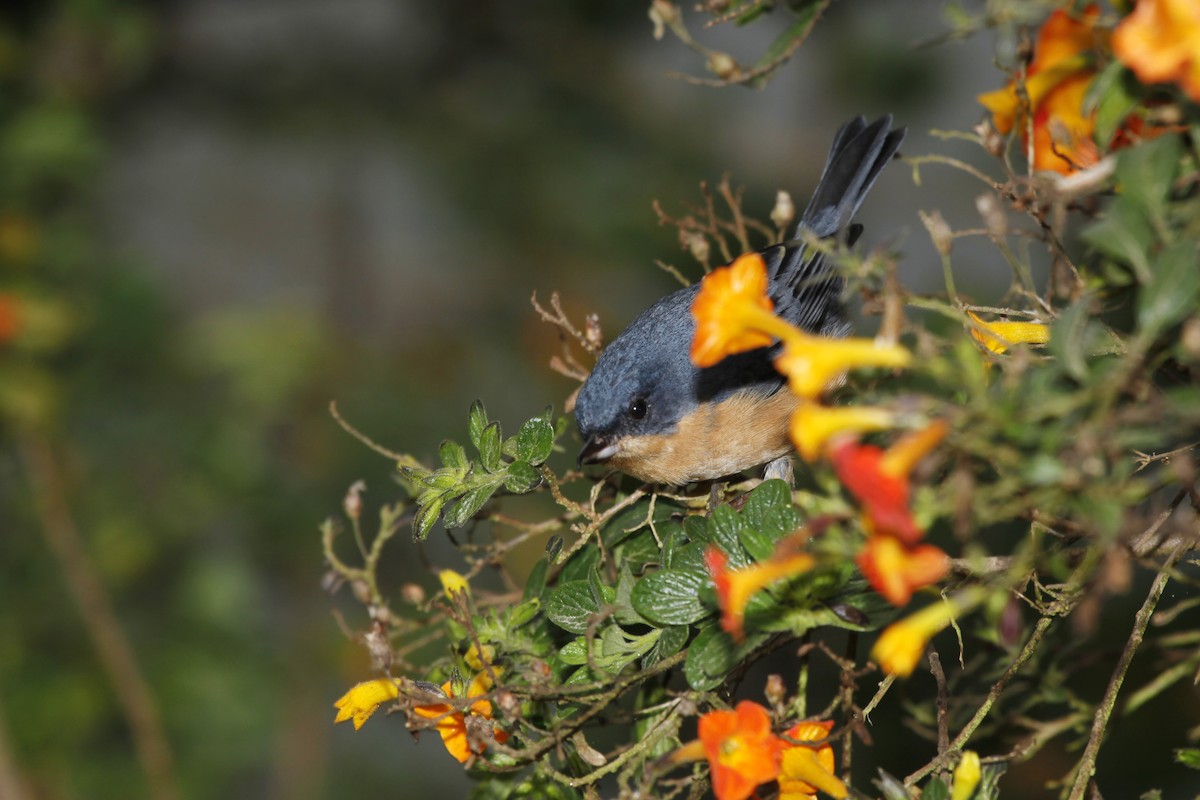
717, 439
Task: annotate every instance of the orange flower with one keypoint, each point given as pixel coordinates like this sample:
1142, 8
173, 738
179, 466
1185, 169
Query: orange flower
999, 336
805, 769
896, 570
736, 587
741, 750
901, 644
884, 496
813, 424
1055, 85
812, 363
733, 313
1160, 42
452, 724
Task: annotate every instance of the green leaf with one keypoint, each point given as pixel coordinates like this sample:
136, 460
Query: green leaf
521, 477
426, 517
1174, 287
671, 596
535, 441
768, 516
573, 607
935, 790
524, 612
672, 640
1113, 94
1145, 173
489, 447
1188, 756
535, 584
1123, 234
453, 455
712, 655
1073, 337
725, 528
466, 506
623, 609
477, 420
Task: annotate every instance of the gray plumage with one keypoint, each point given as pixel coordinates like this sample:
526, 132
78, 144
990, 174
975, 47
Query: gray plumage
648, 364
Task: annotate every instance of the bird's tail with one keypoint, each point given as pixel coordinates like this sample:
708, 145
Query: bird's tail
803, 292
858, 154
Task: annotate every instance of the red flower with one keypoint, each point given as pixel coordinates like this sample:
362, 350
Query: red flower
736, 587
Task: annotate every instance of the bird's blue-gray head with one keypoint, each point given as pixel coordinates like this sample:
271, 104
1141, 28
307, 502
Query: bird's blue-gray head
643, 383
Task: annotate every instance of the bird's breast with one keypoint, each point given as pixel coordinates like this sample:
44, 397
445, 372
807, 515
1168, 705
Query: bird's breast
717, 439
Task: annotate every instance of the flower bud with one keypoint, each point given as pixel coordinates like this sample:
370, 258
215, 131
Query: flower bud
412, 593
353, 501
723, 66
784, 211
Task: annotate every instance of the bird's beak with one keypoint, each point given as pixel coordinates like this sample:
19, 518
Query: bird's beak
597, 449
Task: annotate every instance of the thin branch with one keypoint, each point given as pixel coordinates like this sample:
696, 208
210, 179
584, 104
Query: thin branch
91, 599
1087, 763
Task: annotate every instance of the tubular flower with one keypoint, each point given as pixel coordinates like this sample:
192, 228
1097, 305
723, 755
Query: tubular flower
999, 336
812, 363
361, 701
901, 644
1055, 85
453, 583
1160, 42
452, 724
896, 571
814, 424
736, 587
804, 769
733, 312
884, 497
966, 776
741, 750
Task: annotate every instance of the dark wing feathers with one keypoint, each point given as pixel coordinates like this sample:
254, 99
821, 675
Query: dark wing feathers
802, 291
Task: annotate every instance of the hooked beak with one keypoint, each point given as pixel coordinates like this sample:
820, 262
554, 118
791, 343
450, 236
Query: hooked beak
597, 449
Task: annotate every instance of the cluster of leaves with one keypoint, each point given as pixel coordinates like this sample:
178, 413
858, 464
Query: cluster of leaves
456, 491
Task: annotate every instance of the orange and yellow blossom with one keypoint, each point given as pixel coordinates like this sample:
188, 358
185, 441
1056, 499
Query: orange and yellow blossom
736, 587
742, 752
896, 570
360, 702
1160, 42
902, 643
812, 363
999, 336
804, 769
813, 425
733, 312
1055, 86
452, 724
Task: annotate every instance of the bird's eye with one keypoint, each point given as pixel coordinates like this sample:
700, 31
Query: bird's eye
637, 409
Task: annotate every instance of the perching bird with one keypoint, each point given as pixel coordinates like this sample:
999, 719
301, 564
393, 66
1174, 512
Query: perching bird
647, 411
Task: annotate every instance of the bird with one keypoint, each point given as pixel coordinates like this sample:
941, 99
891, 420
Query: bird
647, 411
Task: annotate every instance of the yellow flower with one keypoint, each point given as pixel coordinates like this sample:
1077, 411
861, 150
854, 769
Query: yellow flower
999, 336
1160, 41
814, 424
736, 587
361, 701
453, 583
902, 643
452, 724
812, 363
966, 776
733, 312
804, 769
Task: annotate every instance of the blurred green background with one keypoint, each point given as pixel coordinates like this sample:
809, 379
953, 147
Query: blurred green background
218, 215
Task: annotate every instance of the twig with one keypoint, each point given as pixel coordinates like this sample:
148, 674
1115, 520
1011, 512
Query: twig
367, 440
91, 599
1087, 763
1035, 638
943, 701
